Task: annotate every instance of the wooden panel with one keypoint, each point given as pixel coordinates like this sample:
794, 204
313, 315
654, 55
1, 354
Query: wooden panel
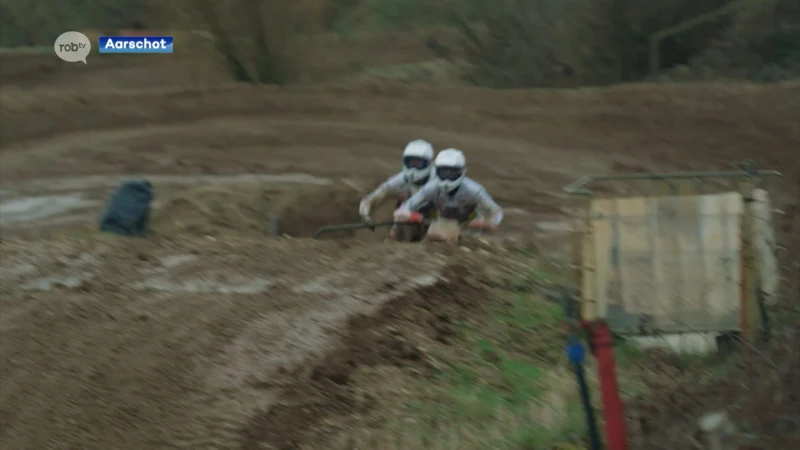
764, 241
715, 241
601, 241
671, 263
636, 244
588, 274
721, 222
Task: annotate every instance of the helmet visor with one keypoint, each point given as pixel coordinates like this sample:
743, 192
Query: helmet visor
415, 162
449, 173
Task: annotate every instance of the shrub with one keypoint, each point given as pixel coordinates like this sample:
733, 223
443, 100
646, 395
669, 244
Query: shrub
258, 41
525, 43
40, 22
515, 43
762, 43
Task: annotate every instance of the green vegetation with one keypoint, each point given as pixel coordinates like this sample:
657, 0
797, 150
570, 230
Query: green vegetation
535, 43
761, 43
501, 44
39, 22
504, 381
504, 388
548, 43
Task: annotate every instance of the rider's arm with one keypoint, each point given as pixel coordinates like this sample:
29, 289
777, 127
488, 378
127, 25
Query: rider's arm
392, 186
489, 209
423, 196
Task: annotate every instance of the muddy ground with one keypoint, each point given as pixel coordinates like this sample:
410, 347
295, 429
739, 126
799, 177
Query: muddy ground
161, 349
209, 335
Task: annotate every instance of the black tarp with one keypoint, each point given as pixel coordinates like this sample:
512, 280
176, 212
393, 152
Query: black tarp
128, 209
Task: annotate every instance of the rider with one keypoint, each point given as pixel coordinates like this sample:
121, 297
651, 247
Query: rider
453, 195
417, 171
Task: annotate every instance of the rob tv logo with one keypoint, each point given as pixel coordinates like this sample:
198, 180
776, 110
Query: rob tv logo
73, 47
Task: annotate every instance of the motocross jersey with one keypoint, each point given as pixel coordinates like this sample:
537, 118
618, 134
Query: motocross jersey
395, 186
461, 204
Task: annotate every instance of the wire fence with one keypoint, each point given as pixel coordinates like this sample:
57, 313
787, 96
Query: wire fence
668, 266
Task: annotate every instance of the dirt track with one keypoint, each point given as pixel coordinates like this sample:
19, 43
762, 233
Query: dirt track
160, 349
104, 364
524, 146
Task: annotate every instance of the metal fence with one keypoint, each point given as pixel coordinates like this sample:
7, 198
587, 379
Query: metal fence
676, 252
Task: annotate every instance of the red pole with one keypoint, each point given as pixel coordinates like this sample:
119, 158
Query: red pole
613, 410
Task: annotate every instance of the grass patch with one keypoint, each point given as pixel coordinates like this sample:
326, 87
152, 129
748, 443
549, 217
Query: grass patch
506, 384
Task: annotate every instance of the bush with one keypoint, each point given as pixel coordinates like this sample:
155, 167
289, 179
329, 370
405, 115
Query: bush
527, 43
514, 43
762, 43
258, 41
40, 22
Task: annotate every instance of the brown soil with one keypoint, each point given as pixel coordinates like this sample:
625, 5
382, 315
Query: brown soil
397, 337
102, 364
247, 209
110, 344
524, 145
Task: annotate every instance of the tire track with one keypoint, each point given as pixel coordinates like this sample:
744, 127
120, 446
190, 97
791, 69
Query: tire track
104, 365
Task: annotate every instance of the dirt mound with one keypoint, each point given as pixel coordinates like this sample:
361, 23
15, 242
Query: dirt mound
250, 208
338, 386
174, 342
523, 146
25, 71
650, 126
27, 68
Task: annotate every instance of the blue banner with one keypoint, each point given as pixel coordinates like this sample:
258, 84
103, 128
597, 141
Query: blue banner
135, 44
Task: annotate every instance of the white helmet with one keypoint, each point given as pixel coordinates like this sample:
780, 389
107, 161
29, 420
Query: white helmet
451, 168
417, 160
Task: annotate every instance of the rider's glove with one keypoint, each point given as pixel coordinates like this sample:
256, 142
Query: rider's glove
367, 220
480, 224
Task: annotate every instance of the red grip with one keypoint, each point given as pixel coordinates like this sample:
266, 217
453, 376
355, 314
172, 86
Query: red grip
477, 224
415, 217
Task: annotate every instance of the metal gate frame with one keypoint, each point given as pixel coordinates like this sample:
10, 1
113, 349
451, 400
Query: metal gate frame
747, 179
